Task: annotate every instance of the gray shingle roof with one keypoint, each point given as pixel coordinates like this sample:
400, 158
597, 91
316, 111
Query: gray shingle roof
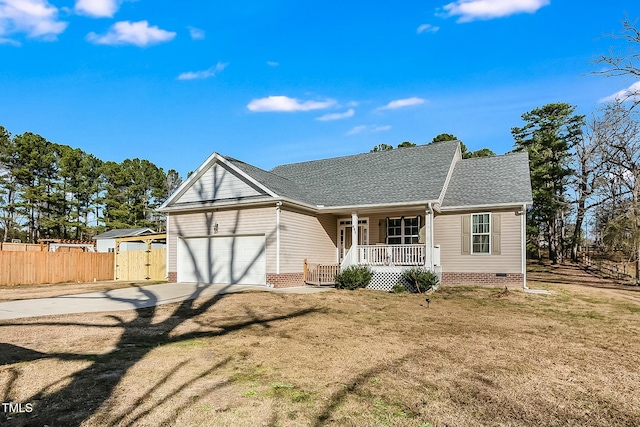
124, 232
279, 185
407, 175
396, 176
490, 181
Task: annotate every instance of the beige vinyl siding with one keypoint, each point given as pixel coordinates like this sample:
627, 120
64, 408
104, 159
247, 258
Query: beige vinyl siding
377, 227
231, 222
448, 234
217, 183
306, 236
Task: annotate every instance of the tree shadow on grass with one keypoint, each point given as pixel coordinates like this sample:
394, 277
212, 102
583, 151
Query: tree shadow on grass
91, 389
352, 387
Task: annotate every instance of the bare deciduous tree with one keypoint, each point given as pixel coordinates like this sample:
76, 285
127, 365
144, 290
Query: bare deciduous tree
587, 180
624, 64
617, 133
619, 64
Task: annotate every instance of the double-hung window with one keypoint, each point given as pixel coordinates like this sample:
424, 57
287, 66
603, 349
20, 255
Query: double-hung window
480, 233
403, 230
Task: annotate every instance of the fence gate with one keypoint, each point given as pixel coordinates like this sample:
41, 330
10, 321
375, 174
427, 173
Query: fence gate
148, 264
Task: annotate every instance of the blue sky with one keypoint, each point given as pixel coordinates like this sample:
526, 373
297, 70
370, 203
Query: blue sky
281, 81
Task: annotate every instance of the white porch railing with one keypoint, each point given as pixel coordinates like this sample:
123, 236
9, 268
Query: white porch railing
391, 254
348, 259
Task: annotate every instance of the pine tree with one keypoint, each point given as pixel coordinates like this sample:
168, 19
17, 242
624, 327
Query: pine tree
548, 136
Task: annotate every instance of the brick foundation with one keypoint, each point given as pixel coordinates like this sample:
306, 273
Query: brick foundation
282, 280
482, 279
285, 280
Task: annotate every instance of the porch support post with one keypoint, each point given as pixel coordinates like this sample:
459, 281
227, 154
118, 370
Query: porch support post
278, 205
354, 238
428, 219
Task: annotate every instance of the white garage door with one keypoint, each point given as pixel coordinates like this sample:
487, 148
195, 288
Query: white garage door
228, 259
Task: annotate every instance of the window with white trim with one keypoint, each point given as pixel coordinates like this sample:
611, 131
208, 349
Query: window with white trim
480, 233
403, 230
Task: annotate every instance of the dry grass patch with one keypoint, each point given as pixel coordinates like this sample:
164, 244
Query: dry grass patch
474, 357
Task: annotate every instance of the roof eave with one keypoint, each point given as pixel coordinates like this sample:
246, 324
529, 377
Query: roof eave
238, 203
313, 208
487, 206
375, 206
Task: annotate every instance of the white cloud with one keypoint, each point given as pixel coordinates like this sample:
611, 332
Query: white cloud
97, 8
9, 41
197, 33
356, 130
630, 93
211, 72
35, 18
272, 63
400, 103
336, 116
369, 129
427, 28
136, 33
471, 10
286, 104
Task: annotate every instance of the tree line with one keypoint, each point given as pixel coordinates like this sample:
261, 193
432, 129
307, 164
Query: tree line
466, 154
585, 171
50, 190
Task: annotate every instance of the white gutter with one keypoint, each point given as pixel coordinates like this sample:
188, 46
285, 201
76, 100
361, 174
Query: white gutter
487, 206
333, 209
523, 239
313, 208
523, 236
278, 206
234, 203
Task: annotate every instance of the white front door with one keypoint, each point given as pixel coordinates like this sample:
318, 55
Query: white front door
344, 235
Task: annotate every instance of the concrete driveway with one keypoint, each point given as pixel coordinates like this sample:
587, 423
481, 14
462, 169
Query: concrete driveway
128, 299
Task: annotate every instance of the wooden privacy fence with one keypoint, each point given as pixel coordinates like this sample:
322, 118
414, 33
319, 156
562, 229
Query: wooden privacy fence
320, 274
141, 265
23, 247
31, 268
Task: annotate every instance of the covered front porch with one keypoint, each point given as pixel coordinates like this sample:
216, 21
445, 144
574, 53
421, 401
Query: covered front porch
400, 237
395, 255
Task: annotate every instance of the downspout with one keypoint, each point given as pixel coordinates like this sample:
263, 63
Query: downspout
166, 268
278, 206
523, 240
